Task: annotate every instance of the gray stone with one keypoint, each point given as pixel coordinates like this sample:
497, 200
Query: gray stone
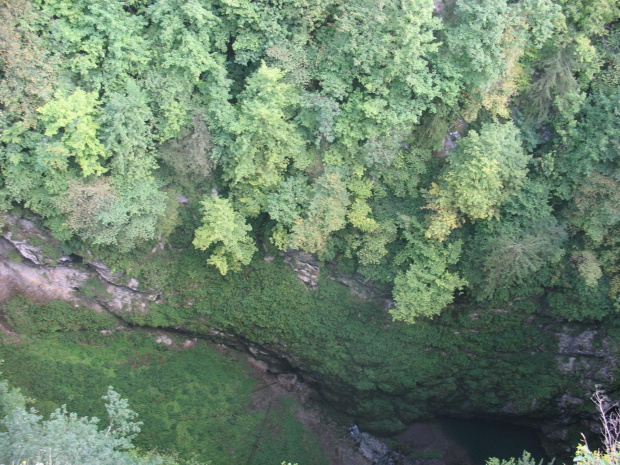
43, 280
305, 266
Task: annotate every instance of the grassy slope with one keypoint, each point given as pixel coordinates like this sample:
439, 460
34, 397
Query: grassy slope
195, 401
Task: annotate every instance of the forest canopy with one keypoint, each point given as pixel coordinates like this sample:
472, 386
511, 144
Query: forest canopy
439, 149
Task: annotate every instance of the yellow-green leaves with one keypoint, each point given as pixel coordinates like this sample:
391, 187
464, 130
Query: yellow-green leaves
27, 70
326, 214
227, 231
71, 126
485, 170
105, 211
358, 216
588, 266
428, 285
475, 180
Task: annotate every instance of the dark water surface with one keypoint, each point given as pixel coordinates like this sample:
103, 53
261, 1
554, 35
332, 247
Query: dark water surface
490, 438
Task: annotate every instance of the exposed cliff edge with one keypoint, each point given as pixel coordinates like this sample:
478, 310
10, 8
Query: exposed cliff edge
42, 272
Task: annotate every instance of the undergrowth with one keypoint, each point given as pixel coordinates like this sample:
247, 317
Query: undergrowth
194, 402
378, 371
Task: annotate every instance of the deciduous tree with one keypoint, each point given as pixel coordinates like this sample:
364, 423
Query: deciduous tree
225, 233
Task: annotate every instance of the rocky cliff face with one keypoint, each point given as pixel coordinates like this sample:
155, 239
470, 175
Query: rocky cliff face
42, 272
589, 354
307, 268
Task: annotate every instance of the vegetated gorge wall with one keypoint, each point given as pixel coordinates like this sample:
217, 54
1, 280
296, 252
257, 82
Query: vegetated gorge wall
519, 365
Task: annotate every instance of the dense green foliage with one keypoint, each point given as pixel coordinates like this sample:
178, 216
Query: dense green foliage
56, 316
313, 126
457, 154
193, 403
383, 374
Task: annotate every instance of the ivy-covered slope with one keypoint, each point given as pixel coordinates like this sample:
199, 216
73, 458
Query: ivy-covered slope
510, 361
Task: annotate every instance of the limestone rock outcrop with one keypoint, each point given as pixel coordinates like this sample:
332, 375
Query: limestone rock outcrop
43, 273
